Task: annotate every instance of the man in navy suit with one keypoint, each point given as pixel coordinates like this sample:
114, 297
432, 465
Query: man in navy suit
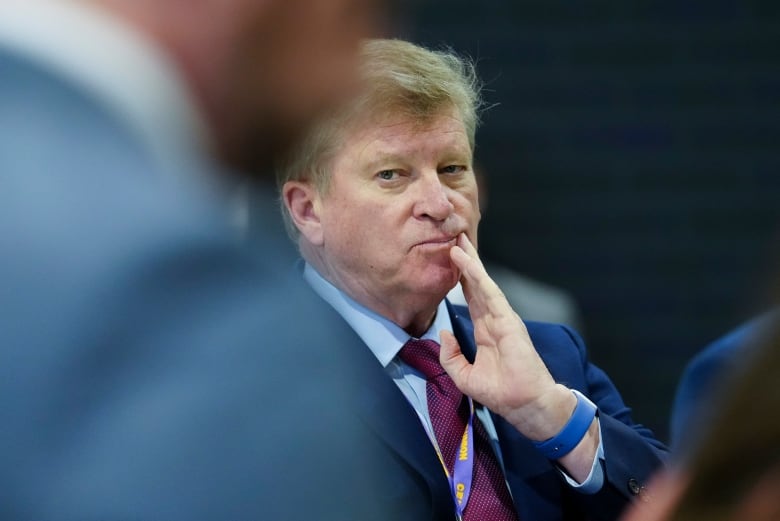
149, 367
383, 201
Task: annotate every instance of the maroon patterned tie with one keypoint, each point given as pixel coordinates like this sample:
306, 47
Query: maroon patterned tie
449, 412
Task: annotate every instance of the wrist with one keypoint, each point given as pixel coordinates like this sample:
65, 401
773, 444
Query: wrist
546, 415
572, 432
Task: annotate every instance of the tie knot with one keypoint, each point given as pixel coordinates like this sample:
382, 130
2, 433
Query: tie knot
423, 355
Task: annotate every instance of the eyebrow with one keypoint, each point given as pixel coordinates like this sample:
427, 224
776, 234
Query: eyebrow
453, 156
381, 158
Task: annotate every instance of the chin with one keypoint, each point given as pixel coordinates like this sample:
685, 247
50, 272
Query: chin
438, 284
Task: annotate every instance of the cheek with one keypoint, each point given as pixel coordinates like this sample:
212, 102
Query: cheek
467, 207
468, 210
348, 223
477, 214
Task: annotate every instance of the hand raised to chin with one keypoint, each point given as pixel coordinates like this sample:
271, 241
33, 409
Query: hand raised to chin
507, 376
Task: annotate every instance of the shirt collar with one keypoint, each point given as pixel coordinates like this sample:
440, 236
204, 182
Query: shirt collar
381, 335
117, 65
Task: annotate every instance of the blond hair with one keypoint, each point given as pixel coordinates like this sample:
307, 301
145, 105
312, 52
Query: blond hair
397, 77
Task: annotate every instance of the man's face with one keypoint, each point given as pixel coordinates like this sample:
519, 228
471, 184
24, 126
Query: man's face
297, 57
400, 193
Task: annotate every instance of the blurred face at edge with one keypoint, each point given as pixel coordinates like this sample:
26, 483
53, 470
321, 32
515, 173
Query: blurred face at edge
295, 58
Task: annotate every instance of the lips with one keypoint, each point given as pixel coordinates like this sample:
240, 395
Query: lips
438, 241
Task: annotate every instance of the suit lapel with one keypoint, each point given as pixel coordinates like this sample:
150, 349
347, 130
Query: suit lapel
384, 409
463, 330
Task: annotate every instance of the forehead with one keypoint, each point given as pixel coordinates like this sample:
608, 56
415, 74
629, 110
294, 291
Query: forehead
403, 134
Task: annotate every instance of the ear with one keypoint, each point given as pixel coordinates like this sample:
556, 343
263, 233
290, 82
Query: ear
303, 203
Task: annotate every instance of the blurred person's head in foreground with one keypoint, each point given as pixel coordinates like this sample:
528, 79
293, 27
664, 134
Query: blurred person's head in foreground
260, 70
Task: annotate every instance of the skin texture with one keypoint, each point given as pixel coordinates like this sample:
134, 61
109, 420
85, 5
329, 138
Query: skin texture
395, 231
399, 196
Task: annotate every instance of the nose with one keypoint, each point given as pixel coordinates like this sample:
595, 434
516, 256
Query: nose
432, 198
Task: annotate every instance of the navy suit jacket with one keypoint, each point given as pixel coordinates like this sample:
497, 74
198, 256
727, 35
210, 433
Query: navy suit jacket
418, 488
150, 368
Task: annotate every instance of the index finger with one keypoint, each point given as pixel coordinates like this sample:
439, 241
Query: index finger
473, 274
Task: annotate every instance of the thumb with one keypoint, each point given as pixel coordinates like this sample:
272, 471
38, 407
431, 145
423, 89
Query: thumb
452, 359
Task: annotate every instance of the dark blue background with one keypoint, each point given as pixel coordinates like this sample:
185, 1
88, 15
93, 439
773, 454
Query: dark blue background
633, 154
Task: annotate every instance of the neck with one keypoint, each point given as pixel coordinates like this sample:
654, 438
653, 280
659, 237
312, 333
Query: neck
418, 328
411, 311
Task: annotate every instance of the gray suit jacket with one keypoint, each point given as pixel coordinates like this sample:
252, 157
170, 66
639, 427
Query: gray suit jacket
150, 369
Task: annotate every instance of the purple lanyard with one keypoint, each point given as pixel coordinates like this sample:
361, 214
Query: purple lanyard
463, 469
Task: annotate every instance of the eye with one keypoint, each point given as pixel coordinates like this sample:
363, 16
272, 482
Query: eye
387, 175
452, 169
